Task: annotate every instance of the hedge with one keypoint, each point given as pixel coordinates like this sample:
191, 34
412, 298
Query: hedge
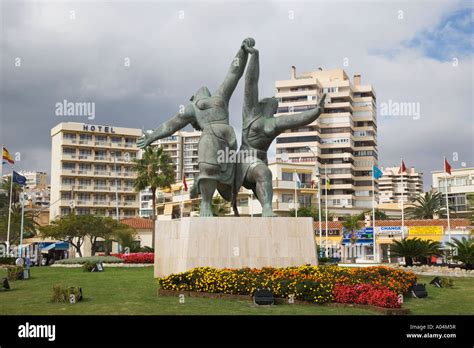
92, 259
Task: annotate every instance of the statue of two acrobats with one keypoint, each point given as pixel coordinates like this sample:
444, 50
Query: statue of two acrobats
210, 114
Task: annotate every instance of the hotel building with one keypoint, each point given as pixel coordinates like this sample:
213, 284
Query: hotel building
460, 186
390, 185
342, 141
182, 147
91, 166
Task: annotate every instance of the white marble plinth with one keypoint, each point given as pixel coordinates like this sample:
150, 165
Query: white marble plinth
233, 242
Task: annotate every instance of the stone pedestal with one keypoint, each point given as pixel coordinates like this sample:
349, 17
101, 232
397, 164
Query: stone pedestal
233, 242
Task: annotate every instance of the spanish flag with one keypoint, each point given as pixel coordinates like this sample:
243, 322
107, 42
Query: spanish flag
6, 157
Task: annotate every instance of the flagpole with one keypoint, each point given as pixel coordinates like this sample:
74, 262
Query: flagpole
373, 212
296, 198
182, 203
326, 204
403, 212
447, 200
10, 212
22, 201
320, 217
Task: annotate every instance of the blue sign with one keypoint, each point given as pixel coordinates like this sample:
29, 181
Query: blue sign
363, 236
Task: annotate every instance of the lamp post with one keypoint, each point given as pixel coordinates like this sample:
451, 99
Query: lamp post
319, 201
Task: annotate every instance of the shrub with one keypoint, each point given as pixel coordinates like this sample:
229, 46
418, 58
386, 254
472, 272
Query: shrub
7, 260
88, 266
136, 257
307, 283
93, 259
62, 293
15, 272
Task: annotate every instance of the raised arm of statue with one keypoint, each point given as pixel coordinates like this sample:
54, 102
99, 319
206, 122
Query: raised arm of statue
285, 122
236, 70
177, 122
251, 80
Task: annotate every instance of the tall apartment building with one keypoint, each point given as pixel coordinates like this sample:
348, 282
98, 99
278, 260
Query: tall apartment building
343, 138
390, 185
460, 186
90, 166
35, 179
182, 147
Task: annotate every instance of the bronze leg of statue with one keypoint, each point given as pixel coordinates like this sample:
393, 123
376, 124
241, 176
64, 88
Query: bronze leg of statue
262, 177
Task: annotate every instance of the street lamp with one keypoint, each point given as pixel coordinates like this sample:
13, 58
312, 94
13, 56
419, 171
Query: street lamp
319, 201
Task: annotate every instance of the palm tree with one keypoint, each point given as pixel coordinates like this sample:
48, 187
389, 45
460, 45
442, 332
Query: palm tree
415, 249
465, 251
352, 223
154, 171
29, 224
16, 190
426, 206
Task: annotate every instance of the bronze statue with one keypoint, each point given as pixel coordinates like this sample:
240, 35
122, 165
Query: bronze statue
259, 129
210, 113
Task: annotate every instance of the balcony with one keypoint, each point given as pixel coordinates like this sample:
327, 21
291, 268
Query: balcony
101, 188
102, 143
101, 202
84, 157
84, 172
101, 173
85, 142
69, 141
83, 188
67, 156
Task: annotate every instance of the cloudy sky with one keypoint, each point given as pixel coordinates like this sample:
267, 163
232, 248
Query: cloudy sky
416, 51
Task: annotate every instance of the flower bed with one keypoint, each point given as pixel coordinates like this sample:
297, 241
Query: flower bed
306, 283
366, 294
136, 257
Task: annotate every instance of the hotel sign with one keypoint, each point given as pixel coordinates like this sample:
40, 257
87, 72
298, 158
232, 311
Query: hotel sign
95, 128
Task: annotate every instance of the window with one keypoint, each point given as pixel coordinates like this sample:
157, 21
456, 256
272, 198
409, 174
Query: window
287, 198
69, 165
287, 176
303, 139
244, 202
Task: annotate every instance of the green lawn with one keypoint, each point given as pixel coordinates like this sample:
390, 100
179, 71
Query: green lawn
134, 291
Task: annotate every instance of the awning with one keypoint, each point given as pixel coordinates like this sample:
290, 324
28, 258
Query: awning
55, 246
46, 249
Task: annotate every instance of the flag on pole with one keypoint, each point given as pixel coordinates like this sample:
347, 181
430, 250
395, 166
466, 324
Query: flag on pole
377, 173
403, 169
296, 178
447, 167
185, 185
19, 179
328, 183
6, 157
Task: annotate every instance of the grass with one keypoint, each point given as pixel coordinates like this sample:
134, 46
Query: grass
133, 291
